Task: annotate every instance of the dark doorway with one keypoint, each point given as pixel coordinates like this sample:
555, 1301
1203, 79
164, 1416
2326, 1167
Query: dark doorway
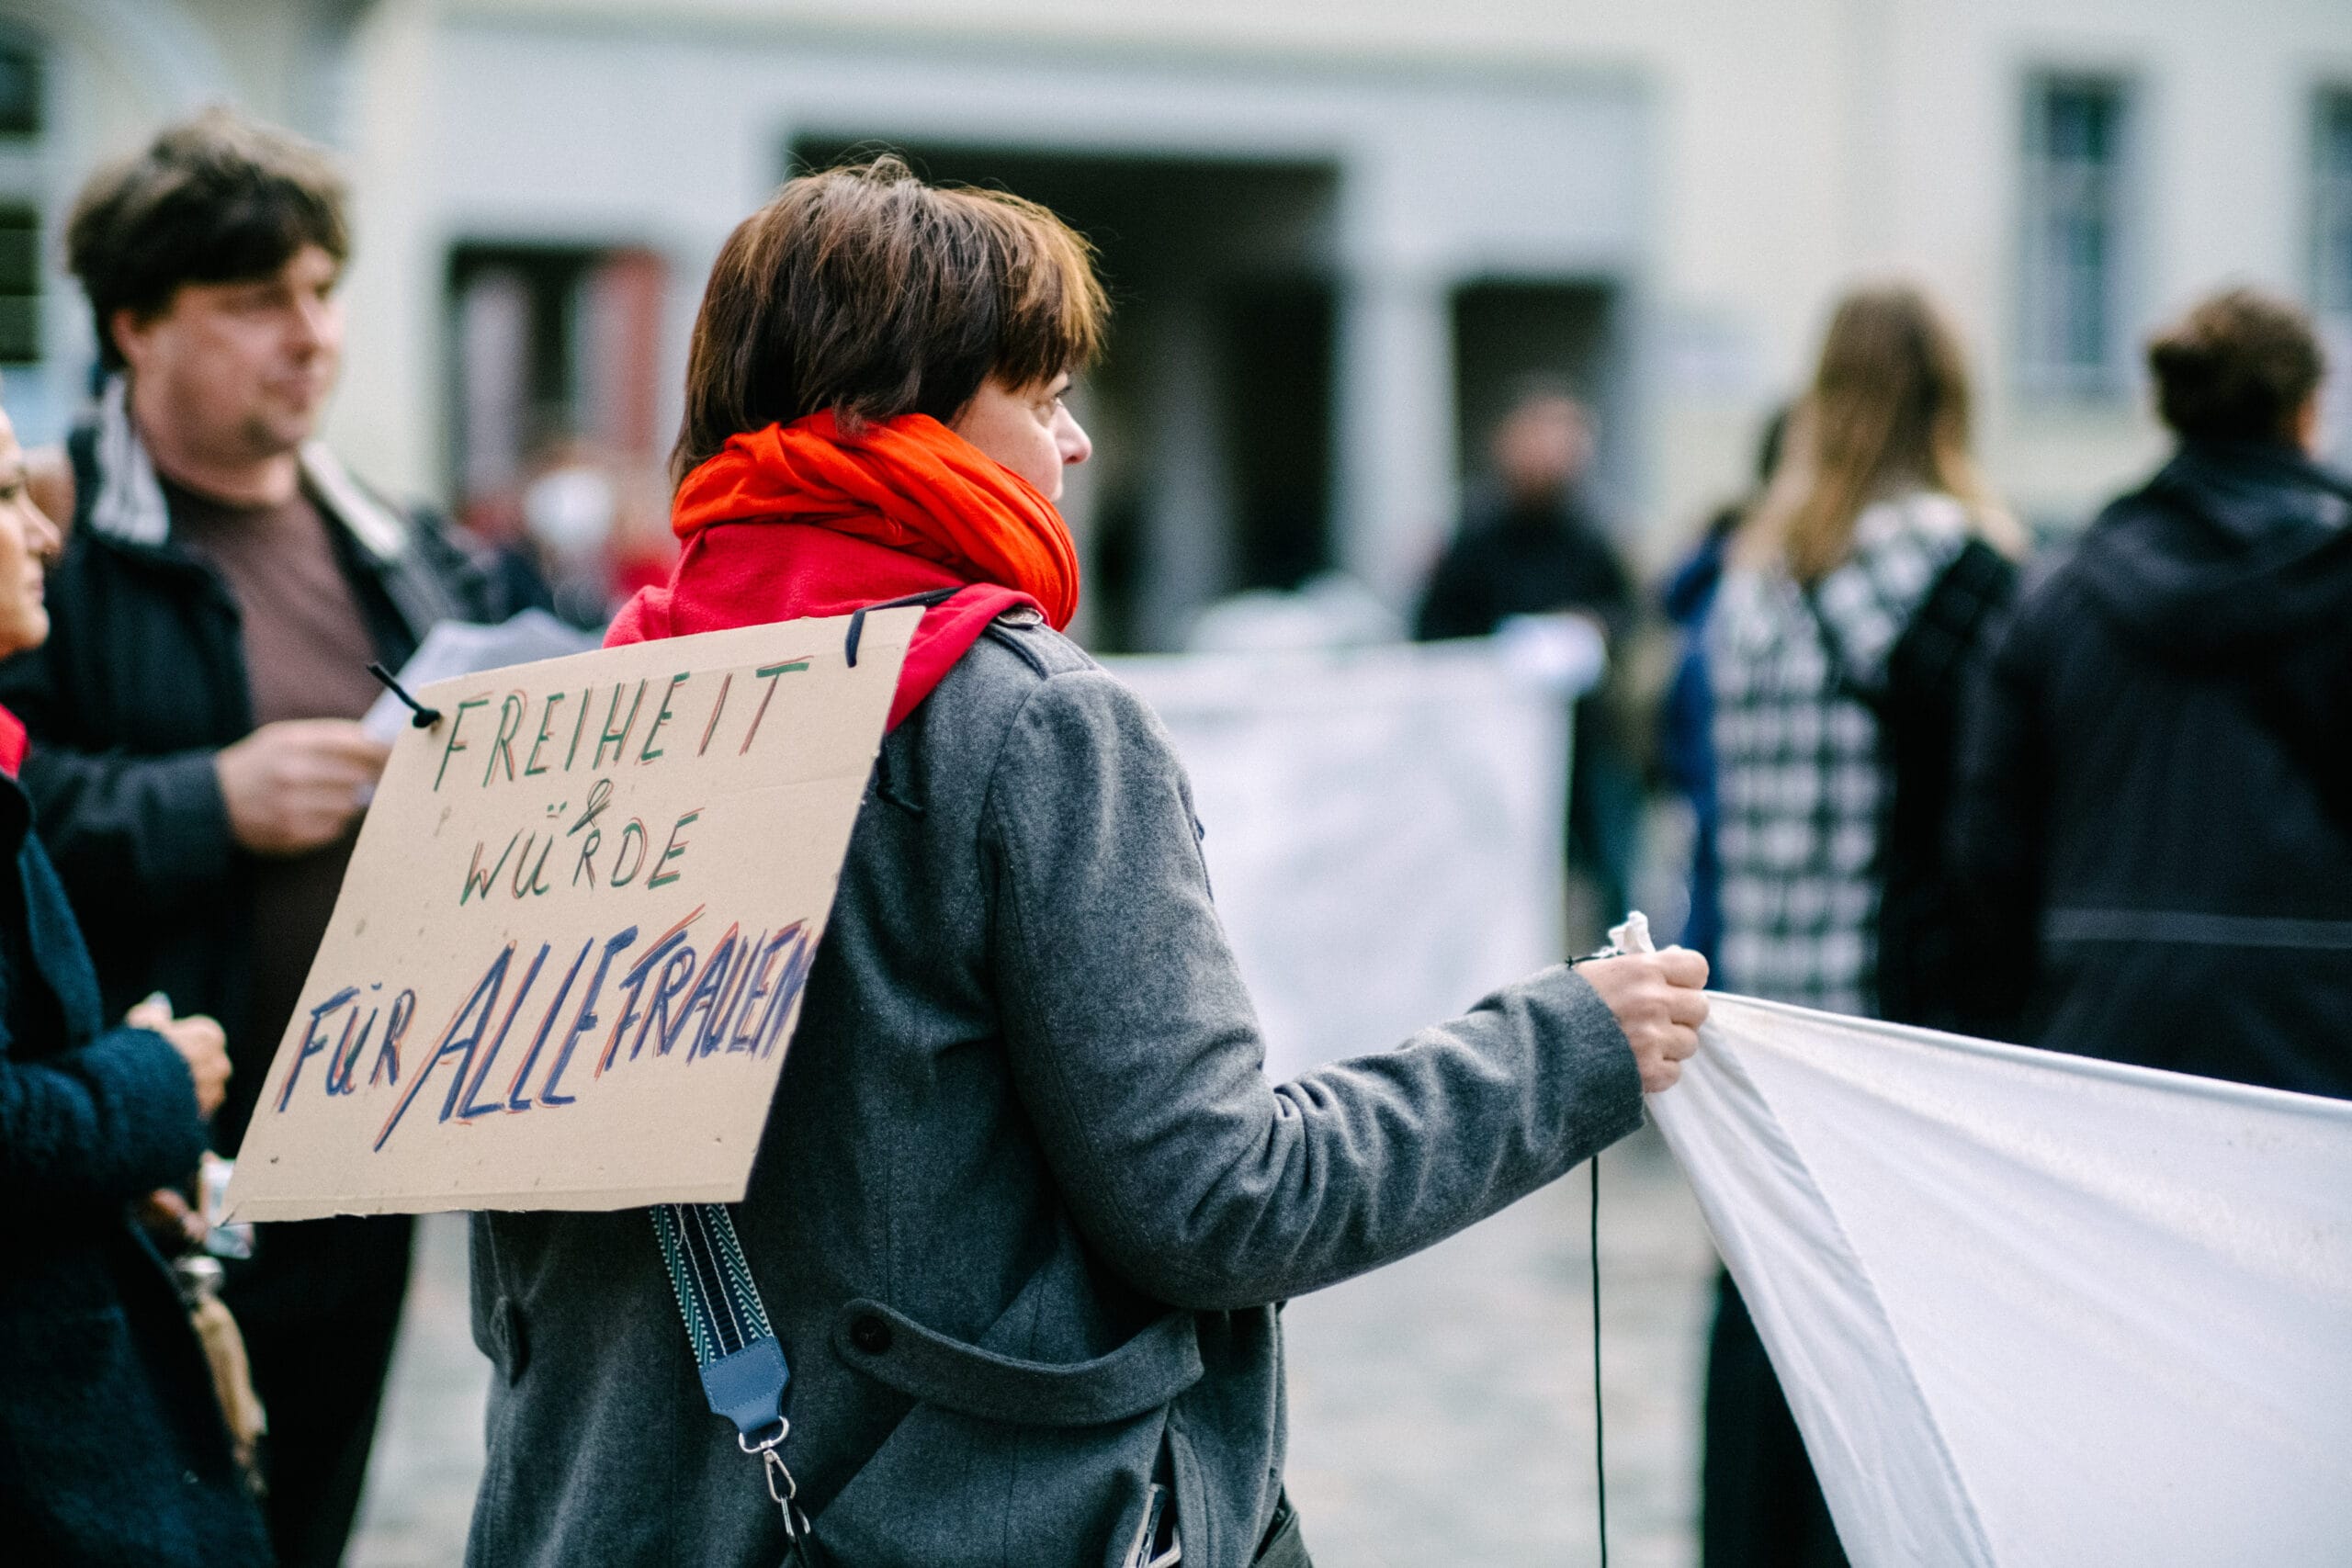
1211, 411
555, 364
1512, 337
550, 344
1278, 427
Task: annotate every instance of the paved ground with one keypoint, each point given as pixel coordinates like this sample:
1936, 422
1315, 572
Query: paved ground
428, 1451
1441, 1409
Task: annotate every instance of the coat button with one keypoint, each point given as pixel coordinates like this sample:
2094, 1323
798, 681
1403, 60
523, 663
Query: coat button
869, 1334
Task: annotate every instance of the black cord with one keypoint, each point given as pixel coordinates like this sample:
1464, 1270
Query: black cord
927, 599
425, 717
1600, 1454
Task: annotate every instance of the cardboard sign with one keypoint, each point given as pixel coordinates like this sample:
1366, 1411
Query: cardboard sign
569, 953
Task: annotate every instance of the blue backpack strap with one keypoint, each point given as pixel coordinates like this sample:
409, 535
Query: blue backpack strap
741, 1361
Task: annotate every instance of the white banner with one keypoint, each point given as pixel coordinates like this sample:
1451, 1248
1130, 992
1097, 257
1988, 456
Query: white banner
2032, 1310
1384, 830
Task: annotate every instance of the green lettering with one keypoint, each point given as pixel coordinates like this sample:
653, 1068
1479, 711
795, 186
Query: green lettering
769, 673
531, 766
662, 717
617, 739
453, 745
617, 877
670, 851
510, 720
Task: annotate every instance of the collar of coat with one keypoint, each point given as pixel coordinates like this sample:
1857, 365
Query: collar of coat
129, 504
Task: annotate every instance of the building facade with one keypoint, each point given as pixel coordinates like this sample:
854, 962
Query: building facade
1339, 232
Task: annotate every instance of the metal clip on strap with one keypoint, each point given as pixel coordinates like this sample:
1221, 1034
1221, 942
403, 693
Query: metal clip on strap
736, 1352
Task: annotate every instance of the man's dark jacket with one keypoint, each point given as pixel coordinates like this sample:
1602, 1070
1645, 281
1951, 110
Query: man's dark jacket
1535, 558
2155, 822
142, 681
112, 1450
1525, 560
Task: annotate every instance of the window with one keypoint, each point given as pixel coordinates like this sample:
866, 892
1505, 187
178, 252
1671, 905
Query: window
23, 179
19, 284
2332, 206
20, 89
2332, 260
2072, 334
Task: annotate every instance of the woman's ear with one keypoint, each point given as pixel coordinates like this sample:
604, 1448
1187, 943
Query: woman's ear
128, 328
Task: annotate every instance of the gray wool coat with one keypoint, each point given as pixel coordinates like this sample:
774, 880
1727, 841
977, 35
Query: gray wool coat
1027, 1205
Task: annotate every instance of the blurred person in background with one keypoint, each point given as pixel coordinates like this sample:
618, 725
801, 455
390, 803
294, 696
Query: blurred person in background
571, 510
1686, 746
2157, 827
196, 765
113, 1453
1535, 548
1027, 1204
1853, 612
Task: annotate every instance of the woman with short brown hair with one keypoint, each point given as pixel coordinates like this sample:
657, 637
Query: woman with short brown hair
1026, 1202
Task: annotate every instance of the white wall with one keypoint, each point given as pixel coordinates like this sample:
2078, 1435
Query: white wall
1735, 163
1777, 151
668, 136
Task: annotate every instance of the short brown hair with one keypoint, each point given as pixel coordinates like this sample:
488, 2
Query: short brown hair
2239, 366
219, 198
868, 292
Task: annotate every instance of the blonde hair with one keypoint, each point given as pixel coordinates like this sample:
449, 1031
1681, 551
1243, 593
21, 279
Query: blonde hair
1888, 411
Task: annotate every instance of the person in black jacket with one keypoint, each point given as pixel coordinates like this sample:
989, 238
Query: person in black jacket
196, 766
112, 1450
1534, 550
2155, 820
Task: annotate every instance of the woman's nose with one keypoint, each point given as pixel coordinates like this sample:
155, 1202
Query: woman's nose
48, 540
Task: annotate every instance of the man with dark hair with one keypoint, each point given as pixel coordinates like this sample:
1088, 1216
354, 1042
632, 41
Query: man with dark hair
2154, 822
196, 762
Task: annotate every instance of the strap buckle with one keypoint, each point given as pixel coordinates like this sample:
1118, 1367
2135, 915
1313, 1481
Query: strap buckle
736, 1351
781, 1486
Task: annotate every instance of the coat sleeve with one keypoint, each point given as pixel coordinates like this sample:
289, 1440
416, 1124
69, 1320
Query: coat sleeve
1605, 589
1994, 832
118, 826
1455, 602
102, 1124
1135, 1048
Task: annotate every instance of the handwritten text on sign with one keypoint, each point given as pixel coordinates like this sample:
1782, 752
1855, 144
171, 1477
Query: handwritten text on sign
570, 947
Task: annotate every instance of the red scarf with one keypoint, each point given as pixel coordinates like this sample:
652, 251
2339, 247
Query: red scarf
805, 520
12, 743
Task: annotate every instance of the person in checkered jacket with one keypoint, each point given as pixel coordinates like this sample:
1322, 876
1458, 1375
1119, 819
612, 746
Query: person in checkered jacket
1859, 597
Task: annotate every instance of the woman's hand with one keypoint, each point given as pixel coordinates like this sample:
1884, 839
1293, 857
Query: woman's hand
1660, 1000
201, 1044
169, 1222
